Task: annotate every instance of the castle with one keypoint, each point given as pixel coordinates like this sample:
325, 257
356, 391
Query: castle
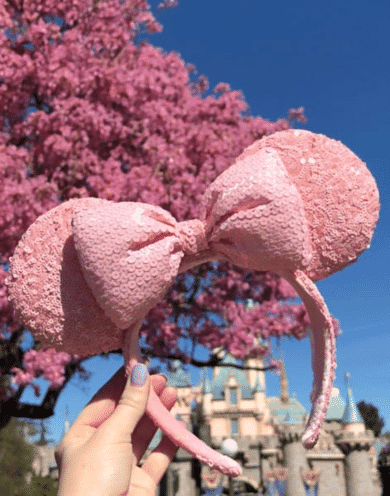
268, 430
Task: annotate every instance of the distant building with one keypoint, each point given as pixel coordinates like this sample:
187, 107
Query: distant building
268, 431
44, 463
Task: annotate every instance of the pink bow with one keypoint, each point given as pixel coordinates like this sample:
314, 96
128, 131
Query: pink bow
131, 253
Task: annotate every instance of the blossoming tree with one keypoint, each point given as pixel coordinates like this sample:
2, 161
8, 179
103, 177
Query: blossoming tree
86, 110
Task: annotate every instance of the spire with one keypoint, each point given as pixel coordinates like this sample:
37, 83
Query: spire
351, 412
66, 421
259, 388
206, 386
179, 378
290, 418
336, 406
42, 440
284, 398
250, 303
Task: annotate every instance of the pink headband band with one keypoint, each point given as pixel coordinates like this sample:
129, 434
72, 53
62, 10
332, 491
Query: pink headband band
297, 204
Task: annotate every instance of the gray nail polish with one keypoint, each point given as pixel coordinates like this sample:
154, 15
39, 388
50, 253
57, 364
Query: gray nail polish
139, 374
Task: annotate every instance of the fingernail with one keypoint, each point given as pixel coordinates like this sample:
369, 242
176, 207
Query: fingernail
139, 374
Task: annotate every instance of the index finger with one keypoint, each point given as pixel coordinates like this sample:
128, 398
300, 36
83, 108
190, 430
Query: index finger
103, 404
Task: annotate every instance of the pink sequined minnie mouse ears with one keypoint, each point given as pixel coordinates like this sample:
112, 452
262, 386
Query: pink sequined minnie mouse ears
311, 205
295, 203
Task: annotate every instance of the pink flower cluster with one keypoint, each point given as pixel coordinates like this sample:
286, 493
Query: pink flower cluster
22, 199
298, 114
276, 364
46, 363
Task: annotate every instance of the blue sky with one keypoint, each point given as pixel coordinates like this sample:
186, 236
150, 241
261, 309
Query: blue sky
331, 58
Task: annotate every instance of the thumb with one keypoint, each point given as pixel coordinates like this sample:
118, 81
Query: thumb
131, 406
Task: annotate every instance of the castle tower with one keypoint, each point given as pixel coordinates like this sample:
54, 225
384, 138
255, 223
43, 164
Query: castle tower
255, 376
181, 381
355, 442
352, 420
290, 436
261, 407
256, 379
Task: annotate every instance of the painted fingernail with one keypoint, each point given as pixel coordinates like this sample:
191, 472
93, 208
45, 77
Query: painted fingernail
139, 374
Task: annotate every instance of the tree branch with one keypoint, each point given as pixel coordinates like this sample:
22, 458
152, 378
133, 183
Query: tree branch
213, 362
12, 408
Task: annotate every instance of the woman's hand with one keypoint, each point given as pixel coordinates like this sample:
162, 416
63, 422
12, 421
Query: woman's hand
99, 455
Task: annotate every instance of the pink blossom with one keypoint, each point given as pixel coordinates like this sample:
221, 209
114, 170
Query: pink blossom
297, 114
22, 378
276, 364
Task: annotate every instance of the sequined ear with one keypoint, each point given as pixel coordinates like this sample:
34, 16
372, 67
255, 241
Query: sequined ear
49, 293
340, 196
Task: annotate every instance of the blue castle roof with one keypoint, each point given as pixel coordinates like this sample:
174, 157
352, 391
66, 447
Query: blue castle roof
292, 418
351, 412
206, 386
179, 377
218, 384
336, 406
292, 412
258, 387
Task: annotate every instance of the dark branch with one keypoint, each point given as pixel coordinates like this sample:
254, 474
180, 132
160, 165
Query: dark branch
213, 362
12, 408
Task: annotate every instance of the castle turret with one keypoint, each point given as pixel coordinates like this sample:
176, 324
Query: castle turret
290, 436
261, 408
336, 406
352, 420
355, 442
253, 375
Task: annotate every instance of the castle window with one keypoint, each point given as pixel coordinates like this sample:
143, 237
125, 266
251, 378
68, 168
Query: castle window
233, 396
234, 426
